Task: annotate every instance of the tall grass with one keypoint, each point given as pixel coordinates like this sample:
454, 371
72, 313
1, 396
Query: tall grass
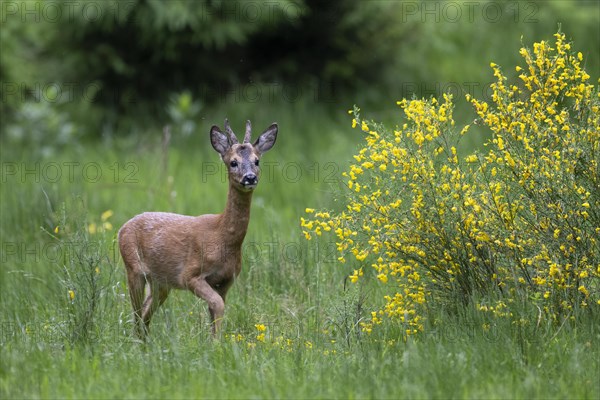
292, 322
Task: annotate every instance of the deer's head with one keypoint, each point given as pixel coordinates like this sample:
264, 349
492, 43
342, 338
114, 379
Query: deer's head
242, 159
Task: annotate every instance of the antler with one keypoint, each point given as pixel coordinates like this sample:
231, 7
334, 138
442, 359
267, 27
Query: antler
232, 139
248, 135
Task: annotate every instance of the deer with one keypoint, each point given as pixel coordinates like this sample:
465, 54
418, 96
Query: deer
203, 254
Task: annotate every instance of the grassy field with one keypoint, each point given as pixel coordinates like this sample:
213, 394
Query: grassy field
291, 323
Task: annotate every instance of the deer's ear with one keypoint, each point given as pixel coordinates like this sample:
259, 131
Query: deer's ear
267, 139
219, 141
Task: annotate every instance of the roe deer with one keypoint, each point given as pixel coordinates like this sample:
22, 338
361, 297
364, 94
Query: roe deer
202, 254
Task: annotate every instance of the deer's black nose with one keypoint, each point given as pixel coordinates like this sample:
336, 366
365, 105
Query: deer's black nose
250, 179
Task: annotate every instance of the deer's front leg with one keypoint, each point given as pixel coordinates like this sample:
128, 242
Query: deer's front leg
216, 304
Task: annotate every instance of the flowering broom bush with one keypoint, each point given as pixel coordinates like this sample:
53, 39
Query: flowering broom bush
517, 224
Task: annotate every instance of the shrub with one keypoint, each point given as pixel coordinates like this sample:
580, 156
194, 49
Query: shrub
515, 225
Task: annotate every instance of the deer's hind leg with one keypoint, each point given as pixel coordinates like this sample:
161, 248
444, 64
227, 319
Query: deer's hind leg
156, 297
137, 288
136, 278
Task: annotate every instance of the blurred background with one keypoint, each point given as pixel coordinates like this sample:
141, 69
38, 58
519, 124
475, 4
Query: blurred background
88, 70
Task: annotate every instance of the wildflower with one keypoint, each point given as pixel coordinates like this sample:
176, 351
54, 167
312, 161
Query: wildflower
355, 275
106, 215
71, 295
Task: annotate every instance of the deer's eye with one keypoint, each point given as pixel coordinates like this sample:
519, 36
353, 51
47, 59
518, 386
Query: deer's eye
233, 164
256, 162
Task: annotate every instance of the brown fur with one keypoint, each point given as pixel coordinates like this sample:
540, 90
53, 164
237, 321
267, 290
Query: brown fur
202, 254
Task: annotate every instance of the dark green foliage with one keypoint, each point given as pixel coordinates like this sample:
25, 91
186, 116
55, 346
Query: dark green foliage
116, 64
129, 56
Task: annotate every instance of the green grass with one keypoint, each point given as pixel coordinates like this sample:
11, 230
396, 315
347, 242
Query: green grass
177, 364
312, 347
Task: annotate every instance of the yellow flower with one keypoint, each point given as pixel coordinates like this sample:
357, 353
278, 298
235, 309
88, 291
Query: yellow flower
362, 255
106, 215
71, 295
355, 275
260, 327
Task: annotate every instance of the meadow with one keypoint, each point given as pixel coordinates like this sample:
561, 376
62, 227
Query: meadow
294, 321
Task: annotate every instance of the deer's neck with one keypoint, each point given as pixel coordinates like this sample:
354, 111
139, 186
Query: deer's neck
236, 216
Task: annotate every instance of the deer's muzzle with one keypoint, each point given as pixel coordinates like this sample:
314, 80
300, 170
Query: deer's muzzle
250, 181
